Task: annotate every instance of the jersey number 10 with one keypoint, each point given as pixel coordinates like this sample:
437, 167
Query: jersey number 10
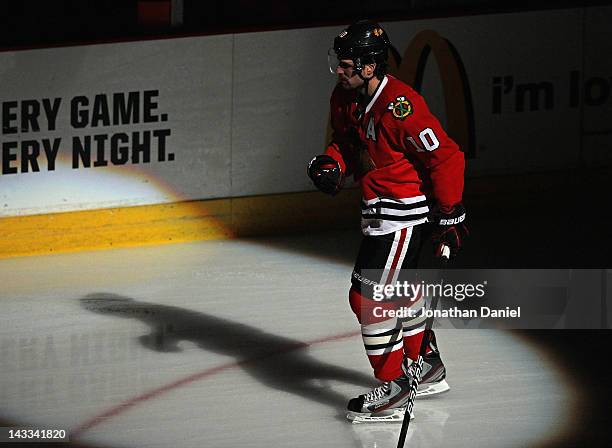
428, 139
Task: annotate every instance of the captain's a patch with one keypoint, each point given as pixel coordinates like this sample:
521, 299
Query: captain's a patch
400, 108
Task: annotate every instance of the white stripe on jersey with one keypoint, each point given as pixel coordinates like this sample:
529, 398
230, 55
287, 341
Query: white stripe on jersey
391, 211
399, 218
383, 83
376, 227
370, 202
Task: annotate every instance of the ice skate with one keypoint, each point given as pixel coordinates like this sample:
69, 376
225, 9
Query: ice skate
433, 377
385, 403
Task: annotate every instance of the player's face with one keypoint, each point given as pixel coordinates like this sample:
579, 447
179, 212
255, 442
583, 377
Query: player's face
347, 76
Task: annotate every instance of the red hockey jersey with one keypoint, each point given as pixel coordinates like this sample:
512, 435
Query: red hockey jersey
398, 152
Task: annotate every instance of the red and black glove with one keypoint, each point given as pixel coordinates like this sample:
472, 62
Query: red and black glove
450, 229
326, 174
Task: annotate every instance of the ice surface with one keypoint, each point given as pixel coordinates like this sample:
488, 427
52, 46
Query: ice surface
247, 343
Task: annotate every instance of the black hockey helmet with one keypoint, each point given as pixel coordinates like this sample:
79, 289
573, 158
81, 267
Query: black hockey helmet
363, 42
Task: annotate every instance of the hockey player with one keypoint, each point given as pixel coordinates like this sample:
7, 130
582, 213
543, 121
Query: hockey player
410, 172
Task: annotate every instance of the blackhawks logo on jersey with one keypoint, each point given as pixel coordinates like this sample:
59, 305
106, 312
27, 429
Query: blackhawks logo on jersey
401, 107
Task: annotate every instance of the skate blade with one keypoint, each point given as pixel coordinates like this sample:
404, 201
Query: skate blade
428, 390
386, 416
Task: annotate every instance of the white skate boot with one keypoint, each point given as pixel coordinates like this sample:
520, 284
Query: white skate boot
385, 403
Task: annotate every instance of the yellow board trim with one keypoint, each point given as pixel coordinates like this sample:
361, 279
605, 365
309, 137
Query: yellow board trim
176, 222
232, 217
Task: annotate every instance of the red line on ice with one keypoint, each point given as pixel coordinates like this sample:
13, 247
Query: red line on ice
154, 393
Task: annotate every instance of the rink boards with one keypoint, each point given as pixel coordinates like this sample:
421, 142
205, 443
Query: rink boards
205, 137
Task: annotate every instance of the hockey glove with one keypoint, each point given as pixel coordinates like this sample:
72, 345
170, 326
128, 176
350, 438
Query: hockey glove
326, 174
450, 229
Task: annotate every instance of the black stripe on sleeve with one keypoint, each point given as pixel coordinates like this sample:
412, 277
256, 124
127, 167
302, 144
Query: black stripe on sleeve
385, 217
394, 205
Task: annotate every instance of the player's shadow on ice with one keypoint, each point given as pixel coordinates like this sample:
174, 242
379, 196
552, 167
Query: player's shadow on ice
276, 361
